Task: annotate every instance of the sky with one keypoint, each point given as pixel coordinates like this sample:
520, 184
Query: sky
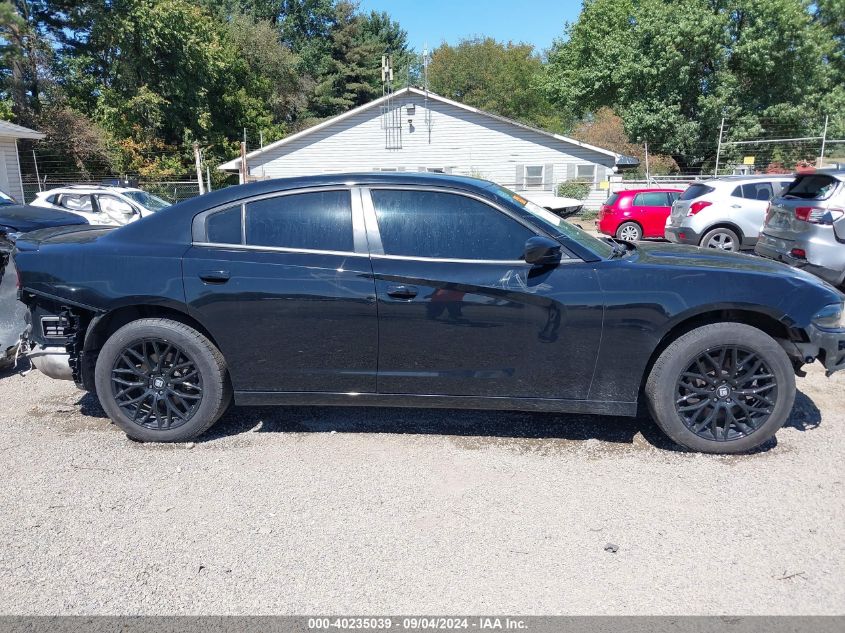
536, 22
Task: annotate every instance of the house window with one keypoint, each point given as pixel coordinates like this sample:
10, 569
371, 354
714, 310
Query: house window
533, 176
586, 172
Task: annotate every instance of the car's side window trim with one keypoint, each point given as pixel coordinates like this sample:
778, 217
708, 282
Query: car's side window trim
199, 229
374, 235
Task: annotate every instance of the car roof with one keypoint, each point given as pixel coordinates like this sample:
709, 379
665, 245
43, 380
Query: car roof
86, 189
650, 189
752, 178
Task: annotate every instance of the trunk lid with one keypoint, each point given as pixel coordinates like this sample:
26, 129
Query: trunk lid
805, 203
61, 235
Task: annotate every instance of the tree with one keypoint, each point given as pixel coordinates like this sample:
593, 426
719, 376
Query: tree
497, 77
672, 70
605, 129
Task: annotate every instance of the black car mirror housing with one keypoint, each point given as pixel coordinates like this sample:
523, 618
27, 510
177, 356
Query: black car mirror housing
542, 251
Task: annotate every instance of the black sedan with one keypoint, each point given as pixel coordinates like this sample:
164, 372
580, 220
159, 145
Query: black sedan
418, 291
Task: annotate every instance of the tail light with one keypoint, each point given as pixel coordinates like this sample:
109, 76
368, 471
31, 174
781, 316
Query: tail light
798, 253
816, 215
695, 207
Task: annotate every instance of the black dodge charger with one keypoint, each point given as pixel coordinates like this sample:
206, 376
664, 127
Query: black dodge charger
418, 291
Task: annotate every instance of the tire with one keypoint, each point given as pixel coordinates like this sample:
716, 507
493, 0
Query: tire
721, 238
181, 385
671, 387
629, 231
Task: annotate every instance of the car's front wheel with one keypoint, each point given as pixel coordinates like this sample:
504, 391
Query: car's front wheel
722, 388
161, 381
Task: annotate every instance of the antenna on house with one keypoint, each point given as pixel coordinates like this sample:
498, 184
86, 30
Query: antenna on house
392, 116
426, 60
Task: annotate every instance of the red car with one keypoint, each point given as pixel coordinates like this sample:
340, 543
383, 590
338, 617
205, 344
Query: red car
636, 213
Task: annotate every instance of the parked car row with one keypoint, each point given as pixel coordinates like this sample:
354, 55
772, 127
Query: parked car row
799, 220
102, 205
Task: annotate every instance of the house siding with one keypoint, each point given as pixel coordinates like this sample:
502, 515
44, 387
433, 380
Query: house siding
10, 174
458, 141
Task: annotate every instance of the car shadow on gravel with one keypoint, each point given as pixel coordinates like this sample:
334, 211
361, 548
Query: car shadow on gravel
613, 430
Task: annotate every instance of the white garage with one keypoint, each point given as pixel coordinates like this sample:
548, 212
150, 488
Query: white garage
10, 168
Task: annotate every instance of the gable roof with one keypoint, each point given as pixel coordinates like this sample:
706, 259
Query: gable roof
234, 164
18, 131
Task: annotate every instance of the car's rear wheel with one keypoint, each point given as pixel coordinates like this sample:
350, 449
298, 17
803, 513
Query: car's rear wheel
722, 388
161, 381
721, 239
629, 231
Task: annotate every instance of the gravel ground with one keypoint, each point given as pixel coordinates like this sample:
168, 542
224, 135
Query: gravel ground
340, 510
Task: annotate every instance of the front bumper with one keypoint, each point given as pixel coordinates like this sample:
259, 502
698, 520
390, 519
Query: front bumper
681, 235
831, 345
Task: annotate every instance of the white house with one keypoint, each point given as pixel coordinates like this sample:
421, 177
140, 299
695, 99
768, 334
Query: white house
10, 168
415, 130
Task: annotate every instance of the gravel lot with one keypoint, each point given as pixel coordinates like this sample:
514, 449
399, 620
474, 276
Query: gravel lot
322, 510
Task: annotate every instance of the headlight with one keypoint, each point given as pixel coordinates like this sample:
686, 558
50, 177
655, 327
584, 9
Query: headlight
831, 317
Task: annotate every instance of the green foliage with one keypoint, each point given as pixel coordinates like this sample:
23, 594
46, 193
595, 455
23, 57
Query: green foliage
573, 189
672, 70
493, 76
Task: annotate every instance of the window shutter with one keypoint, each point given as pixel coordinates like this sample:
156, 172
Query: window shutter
548, 176
571, 171
519, 179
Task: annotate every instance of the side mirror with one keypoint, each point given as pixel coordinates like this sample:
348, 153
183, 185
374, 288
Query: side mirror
542, 251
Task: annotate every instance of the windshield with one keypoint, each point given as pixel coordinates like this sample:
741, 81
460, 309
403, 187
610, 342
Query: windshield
6, 200
558, 224
147, 200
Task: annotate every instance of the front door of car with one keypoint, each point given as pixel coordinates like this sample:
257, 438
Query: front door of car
460, 311
284, 285
116, 210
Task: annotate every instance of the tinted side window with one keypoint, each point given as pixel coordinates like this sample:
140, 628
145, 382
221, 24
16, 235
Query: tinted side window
319, 220
445, 225
757, 191
224, 227
653, 199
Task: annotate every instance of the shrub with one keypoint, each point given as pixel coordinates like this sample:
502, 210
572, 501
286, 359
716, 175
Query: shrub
571, 189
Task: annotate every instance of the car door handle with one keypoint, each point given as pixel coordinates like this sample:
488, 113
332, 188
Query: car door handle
402, 292
736, 206
214, 276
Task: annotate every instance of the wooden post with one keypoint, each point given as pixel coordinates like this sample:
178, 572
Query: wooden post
198, 161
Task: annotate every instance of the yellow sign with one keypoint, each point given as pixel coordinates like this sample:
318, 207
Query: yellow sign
604, 184
748, 160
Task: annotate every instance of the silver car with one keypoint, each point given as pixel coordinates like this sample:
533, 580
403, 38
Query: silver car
724, 213
805, 227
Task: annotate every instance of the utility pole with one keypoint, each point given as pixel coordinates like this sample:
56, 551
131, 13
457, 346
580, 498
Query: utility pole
824, 140
37, 177
261, 139
719, 148
244, 169
647, 170
198, 161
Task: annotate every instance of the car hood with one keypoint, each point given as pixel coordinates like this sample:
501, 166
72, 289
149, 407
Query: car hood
24, 218
682, 255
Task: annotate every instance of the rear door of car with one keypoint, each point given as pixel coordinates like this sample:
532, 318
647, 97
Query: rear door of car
748, 204
460, 311
651, 209
283, 283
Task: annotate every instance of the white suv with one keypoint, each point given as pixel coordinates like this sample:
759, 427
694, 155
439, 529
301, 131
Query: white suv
724, 213
102, 204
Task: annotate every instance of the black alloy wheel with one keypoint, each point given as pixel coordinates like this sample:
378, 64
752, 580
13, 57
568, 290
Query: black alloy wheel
726, 393
156, 384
